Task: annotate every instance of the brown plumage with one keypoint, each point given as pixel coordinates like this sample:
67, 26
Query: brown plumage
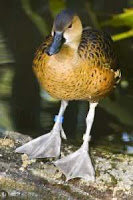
73, 64
89, 73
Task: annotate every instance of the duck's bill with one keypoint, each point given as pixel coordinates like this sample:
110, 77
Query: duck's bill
56, 45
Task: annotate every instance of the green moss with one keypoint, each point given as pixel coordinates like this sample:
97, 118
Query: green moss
113, 180
113, 165
97, 172
7, 183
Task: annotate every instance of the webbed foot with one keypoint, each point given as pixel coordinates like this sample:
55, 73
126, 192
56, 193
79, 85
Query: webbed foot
77, 165
47, 145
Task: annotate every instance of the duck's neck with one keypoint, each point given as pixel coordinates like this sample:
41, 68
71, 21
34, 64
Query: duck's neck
67, 53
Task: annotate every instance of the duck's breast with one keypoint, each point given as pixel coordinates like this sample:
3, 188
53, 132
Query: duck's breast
73, 79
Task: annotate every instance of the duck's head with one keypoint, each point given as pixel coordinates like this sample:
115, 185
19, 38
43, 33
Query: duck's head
67, 29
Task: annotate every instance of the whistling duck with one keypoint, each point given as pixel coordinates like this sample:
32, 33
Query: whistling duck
73, 64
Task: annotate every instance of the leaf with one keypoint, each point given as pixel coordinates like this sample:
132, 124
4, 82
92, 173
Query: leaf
123, 35
56, 6
37, 20
124, 19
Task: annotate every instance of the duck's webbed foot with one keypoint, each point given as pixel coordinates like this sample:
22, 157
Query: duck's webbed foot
47, 145
77, 165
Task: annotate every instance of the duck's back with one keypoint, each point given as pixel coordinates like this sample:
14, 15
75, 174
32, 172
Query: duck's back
90, 73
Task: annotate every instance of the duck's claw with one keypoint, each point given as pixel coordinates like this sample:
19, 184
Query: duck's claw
77, 165
47, 145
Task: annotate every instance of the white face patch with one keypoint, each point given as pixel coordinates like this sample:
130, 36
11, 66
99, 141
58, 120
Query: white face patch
67, 37
72, 40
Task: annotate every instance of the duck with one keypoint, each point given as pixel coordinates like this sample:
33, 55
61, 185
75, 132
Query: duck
73, 63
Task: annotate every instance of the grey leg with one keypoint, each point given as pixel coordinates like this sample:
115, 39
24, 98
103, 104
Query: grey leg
78, 164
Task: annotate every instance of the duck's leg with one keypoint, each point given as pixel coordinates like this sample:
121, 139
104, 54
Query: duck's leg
78, 164
47, 145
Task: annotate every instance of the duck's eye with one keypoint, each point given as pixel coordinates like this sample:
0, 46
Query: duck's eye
70, 26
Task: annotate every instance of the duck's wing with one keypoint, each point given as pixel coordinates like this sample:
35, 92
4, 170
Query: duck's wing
40, 53
98, 48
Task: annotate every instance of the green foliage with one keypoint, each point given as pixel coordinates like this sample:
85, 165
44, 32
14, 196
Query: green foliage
121, 20
124, 35
5, 53
56, 6
37, 20
5, 93
124, 19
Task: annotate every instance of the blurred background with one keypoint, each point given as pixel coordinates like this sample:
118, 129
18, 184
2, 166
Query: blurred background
26, 108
